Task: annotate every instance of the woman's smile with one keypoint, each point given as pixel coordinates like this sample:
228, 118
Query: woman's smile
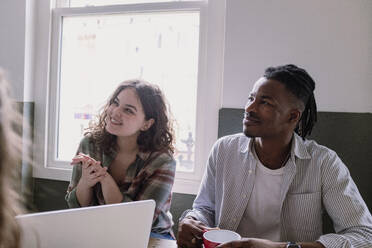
115, 121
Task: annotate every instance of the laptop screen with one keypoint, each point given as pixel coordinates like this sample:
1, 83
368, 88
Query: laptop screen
116, 225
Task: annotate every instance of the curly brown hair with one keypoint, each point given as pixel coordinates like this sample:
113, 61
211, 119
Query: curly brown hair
10, 146
158, 138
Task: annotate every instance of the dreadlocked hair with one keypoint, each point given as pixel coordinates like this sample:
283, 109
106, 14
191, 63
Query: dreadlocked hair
301, 85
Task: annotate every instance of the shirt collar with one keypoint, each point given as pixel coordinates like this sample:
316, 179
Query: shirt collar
144, 155
246, 145
298, 148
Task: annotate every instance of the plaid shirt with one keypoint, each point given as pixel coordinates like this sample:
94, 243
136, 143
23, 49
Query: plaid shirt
150, 176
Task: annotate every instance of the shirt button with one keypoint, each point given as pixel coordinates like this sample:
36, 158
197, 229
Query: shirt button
250, 171
244, 196
234, 220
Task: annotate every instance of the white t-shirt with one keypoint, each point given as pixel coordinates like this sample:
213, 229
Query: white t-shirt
261, 219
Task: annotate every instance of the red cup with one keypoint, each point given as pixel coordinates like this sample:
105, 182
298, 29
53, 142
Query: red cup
213, 238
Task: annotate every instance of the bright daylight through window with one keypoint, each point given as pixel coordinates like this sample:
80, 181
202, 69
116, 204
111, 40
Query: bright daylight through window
83, 3
98, 51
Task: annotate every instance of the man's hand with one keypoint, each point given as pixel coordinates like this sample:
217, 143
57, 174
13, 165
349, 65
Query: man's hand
252, 243
190, 233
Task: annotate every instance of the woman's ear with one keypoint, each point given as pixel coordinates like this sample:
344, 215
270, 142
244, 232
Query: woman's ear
147, 124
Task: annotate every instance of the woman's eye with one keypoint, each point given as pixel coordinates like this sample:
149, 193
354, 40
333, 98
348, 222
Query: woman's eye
115, 102
128, 110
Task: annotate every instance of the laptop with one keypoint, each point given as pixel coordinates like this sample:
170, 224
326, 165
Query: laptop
107, 226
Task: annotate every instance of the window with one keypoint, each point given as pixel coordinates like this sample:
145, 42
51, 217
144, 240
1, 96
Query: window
85, 3
99, 51
93, 48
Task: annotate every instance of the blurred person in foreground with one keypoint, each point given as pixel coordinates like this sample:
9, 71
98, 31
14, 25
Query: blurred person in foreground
10, 149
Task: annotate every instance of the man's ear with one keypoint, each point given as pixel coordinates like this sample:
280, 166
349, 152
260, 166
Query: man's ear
147, 124
294, 116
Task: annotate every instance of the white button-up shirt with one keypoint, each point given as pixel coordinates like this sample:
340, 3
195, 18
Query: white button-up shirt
314, 180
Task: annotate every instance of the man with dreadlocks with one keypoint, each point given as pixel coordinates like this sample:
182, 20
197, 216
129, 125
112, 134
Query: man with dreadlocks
271, 184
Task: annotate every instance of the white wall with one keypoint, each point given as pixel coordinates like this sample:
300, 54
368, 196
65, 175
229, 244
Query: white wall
331, 39
12, 43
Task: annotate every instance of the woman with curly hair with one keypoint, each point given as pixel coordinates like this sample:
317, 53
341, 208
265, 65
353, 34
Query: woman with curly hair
127, 155
10, 147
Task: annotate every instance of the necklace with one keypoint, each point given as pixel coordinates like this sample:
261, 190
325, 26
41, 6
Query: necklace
285, 160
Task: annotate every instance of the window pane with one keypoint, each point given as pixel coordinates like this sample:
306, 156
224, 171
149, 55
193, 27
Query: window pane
84, 3
100, 51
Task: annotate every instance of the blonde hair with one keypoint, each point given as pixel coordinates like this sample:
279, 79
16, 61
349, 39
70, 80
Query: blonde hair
10, 147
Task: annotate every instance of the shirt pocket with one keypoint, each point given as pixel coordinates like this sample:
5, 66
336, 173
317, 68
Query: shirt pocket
303, 211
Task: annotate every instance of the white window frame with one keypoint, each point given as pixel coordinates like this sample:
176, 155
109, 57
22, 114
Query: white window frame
210, 75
